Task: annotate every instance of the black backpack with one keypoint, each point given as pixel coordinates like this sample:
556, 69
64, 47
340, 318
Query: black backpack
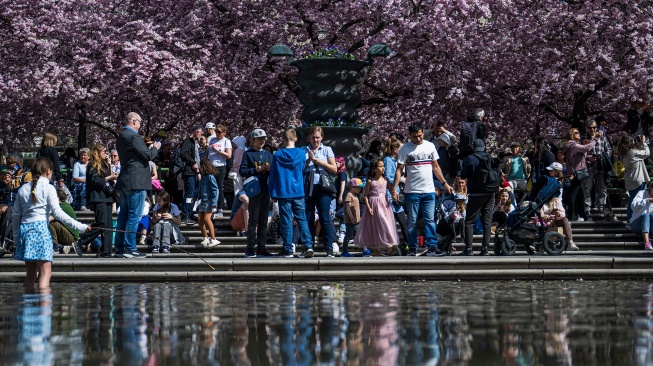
489, 175
176, 164
468, 133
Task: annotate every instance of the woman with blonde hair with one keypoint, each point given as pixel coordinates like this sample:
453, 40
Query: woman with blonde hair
47, 150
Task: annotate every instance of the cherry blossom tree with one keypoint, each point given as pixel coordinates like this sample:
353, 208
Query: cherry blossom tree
77, 67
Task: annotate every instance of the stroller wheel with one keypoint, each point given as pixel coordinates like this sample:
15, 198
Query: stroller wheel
508, 247
554, 243
535, 249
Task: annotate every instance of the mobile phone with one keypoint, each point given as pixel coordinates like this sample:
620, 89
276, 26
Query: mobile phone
158, 139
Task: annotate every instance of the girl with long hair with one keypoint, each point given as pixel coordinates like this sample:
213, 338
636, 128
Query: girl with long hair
208, 203
166, 219
34, 204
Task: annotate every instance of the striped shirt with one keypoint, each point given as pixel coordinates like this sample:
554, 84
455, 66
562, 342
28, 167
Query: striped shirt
418, 160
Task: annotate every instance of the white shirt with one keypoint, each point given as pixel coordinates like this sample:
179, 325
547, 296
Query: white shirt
222, 145
26, 211
418, 160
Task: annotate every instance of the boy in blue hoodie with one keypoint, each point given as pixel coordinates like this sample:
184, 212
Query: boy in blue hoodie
256, 162
287, 187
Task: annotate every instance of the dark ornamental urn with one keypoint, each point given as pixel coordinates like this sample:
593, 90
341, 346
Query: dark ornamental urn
329, 92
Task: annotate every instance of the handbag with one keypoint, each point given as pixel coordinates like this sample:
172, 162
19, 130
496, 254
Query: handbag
582, 174
252, 186
326, 182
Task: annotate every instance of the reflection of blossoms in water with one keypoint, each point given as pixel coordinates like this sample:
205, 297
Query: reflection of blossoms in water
643, 332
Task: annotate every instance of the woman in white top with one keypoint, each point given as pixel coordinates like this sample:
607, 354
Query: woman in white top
641, 220
219, 150
35, 203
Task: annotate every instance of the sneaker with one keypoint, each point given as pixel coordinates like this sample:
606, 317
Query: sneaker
213, 243
484, 252
580, 219
412, 252
250, 253
284, 254
165, 250
66, 249
573, 246
329, 254
78, 248
142, 241
335, 249
346, 255
118, 255
263, 253
84, 208
367, 253
434, 252
308, 253
648, 246
134, 254
155, 249
205, 242
241, 234
103, 255
218, 215
188, 221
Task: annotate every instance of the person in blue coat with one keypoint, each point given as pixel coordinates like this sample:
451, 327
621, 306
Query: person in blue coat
287, 187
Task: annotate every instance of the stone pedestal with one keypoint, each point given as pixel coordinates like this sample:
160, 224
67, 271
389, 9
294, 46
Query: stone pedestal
345, 141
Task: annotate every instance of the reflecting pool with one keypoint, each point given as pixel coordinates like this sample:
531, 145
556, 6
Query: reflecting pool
352, 323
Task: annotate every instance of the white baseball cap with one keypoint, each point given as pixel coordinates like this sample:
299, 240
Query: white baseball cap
554, 166
258, 133
210, 125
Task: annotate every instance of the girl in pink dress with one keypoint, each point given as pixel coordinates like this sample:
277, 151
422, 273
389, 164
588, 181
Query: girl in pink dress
377, 229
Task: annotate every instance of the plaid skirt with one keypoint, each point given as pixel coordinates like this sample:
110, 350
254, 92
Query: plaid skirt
34, 242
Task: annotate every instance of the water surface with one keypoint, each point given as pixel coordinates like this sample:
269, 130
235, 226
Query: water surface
375, 323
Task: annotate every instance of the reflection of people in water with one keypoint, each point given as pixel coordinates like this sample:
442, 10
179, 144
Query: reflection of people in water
35, 321
380, 329
556, 328
643, 333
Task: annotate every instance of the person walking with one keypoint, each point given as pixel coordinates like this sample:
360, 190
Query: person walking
256, 163
133, 183
287, 189
421, 159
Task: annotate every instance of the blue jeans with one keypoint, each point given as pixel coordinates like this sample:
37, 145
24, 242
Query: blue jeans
79, 195
423, 203
643, 224
191, 188
321, 201
131, 209
631, 196
287, 209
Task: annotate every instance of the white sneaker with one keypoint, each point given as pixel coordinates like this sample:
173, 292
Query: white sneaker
206, 242
335, 249
573, 246
66, 249
213, 243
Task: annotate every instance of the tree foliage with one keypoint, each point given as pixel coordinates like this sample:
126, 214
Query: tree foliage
76, 67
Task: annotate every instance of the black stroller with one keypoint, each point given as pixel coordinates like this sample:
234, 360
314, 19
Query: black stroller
446, 230
536, 238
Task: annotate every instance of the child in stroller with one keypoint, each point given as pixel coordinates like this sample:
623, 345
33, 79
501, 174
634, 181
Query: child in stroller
535, 238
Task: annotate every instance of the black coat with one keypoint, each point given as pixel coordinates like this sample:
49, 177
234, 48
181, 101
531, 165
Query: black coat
51, 152
135, 160
96, 192
187, 154
634, 120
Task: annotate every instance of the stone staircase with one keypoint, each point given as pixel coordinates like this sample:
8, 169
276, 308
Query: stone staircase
608, 250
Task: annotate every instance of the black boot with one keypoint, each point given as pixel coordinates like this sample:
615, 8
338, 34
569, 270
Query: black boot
466, 252
484, 251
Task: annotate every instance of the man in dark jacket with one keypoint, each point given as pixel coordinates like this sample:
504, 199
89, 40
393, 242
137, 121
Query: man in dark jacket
479, 201
472, 129
189, 153
133, 183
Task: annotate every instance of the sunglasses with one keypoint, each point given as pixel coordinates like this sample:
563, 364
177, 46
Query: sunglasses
219, 131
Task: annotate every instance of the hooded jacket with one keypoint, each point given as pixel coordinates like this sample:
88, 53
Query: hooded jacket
286, 179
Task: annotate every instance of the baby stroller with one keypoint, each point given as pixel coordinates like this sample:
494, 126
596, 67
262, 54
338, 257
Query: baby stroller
536, 238
446, 229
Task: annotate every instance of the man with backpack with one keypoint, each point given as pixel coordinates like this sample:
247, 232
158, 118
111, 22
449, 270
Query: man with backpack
470, 131
483, 174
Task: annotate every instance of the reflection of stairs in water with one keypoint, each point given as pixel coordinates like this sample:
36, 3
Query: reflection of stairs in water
608, 250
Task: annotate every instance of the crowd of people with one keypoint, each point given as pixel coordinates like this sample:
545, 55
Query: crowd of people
307, 192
